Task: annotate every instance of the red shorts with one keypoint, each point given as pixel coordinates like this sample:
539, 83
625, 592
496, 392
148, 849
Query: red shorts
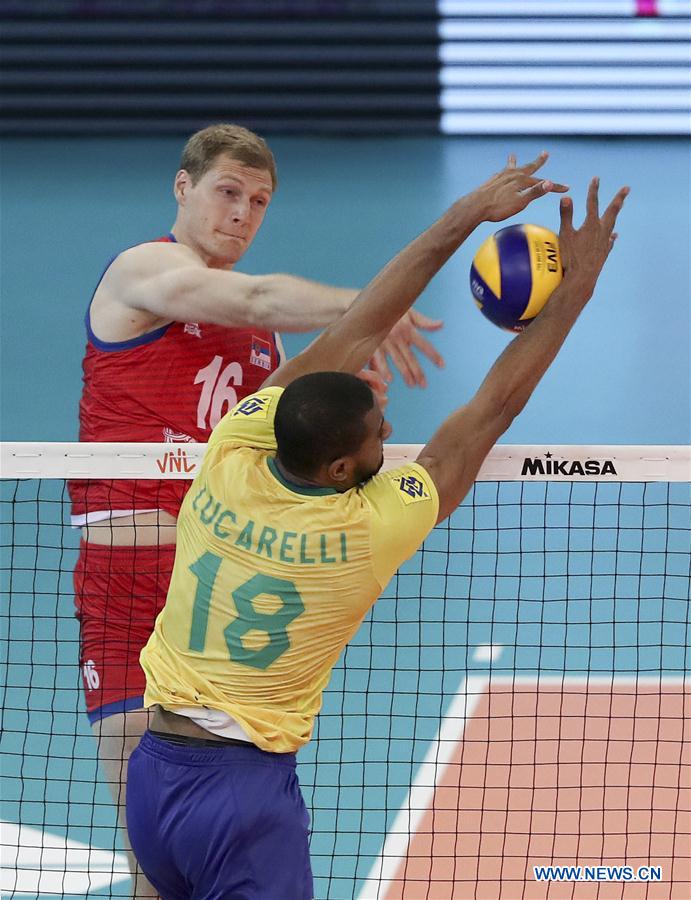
119, 591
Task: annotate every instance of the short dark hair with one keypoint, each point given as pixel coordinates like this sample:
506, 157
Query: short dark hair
205, 146
319, 418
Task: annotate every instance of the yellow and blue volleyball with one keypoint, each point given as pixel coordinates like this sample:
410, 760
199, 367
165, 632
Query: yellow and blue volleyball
513, 274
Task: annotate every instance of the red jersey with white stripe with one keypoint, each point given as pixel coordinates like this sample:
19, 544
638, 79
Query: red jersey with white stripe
171, 385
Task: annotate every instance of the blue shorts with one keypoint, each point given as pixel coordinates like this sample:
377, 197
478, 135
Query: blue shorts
213, 822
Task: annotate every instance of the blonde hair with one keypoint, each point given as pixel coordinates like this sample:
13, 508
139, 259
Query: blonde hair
239, 143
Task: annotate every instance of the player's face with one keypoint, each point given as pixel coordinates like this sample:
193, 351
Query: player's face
222, 212
370, 456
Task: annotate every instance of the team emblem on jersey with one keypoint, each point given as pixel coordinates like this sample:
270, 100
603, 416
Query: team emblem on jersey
260, 353
192, 328
253, 406
410, 488
176, 437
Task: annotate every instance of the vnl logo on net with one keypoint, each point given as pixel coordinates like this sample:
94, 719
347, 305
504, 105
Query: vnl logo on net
597, 873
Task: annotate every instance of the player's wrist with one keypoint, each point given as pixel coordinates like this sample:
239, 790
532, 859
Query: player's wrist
578, 284
466, 214
472, 210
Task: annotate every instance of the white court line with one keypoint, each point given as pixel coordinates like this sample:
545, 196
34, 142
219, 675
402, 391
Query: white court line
35, 862
420, 795
487, 652
595, 680
463, 706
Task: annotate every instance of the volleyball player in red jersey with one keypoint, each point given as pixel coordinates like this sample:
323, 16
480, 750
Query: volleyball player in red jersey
175, 339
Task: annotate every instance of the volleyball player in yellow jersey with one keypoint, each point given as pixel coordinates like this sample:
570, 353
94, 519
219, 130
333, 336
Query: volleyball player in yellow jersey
285, 540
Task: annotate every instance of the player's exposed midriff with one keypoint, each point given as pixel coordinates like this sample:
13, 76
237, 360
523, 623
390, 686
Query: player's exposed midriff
142, 529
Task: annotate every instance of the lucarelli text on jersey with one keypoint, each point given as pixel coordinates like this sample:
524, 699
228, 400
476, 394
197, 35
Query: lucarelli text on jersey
311, 548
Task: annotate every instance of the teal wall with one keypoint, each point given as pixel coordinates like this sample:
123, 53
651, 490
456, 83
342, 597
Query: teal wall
342, 209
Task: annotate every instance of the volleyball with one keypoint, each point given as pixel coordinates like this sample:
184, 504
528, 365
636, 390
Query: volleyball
513, 274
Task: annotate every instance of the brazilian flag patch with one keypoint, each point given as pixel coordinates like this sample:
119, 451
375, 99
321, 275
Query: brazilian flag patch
256, 406
409, 487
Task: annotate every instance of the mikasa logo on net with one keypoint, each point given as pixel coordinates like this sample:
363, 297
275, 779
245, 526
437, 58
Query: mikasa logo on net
549, 466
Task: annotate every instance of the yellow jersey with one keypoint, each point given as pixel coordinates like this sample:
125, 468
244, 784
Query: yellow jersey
272, 579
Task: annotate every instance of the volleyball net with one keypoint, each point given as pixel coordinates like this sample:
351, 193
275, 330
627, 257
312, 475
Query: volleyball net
512, 719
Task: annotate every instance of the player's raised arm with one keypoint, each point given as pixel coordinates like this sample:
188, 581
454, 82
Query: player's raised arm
349, 343
171, 282
156, 283
454, 455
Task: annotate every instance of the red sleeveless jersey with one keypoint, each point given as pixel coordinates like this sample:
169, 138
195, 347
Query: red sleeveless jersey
171, 385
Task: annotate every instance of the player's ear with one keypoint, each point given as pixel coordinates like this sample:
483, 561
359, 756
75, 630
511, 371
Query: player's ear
341, 470
180, 185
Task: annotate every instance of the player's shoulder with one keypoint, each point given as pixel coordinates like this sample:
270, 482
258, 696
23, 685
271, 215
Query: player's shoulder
403, 510
260, 405
250, 422
130, 277
398, 489
149, 257
133, 266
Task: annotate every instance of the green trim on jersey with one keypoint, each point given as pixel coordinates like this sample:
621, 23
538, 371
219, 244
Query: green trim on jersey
297, 488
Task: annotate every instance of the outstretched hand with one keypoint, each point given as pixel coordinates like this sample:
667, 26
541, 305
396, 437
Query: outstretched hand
398, 345
380, 388
511, 190
584, 250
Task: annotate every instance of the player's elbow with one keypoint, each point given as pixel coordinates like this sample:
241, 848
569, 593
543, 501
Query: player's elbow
210, 296
500, 408
264, 306
505, 414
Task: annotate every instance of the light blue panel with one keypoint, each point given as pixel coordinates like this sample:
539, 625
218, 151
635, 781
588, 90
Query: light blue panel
556, 601
624, 373
342, 209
